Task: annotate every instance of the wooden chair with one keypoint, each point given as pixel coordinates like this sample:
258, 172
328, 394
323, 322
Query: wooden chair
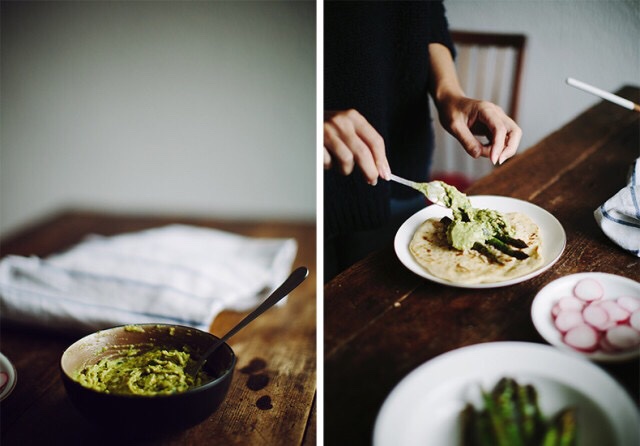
490, 67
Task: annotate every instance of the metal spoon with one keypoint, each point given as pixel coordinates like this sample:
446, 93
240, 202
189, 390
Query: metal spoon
294, 279
433, 190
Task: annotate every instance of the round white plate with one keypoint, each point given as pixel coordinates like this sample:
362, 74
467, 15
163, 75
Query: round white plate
551, 233
424, 407
614, 286
10, 370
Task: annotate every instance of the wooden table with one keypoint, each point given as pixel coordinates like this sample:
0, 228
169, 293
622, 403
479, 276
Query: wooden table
382, 321
281, 410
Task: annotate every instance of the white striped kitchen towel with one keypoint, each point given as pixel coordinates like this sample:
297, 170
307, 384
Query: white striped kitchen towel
175, 274
619, 217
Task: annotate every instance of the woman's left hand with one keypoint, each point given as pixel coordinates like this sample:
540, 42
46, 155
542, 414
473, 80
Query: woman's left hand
465, 117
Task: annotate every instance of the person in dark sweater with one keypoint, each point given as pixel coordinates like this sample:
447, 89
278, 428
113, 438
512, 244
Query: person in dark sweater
381, 61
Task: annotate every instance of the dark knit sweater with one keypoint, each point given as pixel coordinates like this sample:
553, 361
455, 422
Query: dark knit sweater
376, 61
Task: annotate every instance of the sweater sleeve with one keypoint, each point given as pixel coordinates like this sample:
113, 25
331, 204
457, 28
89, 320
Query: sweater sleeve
439, 26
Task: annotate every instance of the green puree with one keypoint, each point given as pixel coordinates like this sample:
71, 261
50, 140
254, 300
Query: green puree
471, 225
154, 372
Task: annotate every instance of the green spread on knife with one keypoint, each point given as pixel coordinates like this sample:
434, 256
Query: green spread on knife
154, 372
471, 225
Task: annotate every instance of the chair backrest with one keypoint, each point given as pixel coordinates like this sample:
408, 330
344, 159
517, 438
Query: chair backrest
490, 67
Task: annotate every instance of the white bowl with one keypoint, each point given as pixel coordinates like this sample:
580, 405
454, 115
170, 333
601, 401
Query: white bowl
614, 287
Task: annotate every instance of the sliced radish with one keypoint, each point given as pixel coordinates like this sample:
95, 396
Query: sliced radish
597, 317
588, 322
570, 303
588, 289
623, 337
615, 311
634, 320
606, 346
568, 319
582, 337
3, 379
629, 303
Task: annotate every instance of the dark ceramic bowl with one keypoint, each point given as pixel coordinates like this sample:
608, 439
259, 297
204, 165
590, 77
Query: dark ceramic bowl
147, 415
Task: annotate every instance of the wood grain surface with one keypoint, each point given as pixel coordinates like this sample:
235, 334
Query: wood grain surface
381, 321
272, 399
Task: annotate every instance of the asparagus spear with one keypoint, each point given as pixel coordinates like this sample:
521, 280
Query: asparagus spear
469, 424
551, 436
562, 429
501, 407
566, 419
476, 428
512, 417
530, 416
505, 394
483, 434
506, 249
515, 242
494, 418
482, 249
446, 220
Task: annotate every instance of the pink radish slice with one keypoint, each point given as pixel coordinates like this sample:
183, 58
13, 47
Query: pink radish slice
570, 303
634, 320
597, 317
615, 311
629, 303
606, 346
582, 337
588, 290
3, 379
568, 319
623, 337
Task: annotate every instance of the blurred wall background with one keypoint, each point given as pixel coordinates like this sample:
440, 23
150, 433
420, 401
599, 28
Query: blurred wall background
198, 108
208, 108
595, 41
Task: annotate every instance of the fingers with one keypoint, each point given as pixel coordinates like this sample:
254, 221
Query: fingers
375, 143
504, 133
326, 159
340, 156
473, 117
470, 143
349, 141
514, 136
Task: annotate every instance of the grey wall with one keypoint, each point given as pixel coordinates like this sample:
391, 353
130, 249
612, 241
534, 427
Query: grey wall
208, 108
596, 41
200, 108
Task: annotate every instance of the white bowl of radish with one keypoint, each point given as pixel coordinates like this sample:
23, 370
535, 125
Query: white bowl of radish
596, 315
7, 377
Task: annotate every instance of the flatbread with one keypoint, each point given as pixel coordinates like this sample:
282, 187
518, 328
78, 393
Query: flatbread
431, 250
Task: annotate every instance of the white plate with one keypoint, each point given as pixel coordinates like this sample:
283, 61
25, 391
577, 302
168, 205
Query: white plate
614, 286
424, 408
10, 370
551, 234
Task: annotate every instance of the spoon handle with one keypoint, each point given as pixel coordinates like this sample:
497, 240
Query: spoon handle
433, 190
401, 180
294, 279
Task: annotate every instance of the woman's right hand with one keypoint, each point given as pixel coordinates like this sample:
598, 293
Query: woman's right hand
349, 141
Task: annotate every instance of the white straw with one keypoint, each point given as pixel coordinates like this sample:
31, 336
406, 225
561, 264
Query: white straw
601, 93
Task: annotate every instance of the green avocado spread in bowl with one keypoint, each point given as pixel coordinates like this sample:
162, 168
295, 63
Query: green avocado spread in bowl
137, 377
